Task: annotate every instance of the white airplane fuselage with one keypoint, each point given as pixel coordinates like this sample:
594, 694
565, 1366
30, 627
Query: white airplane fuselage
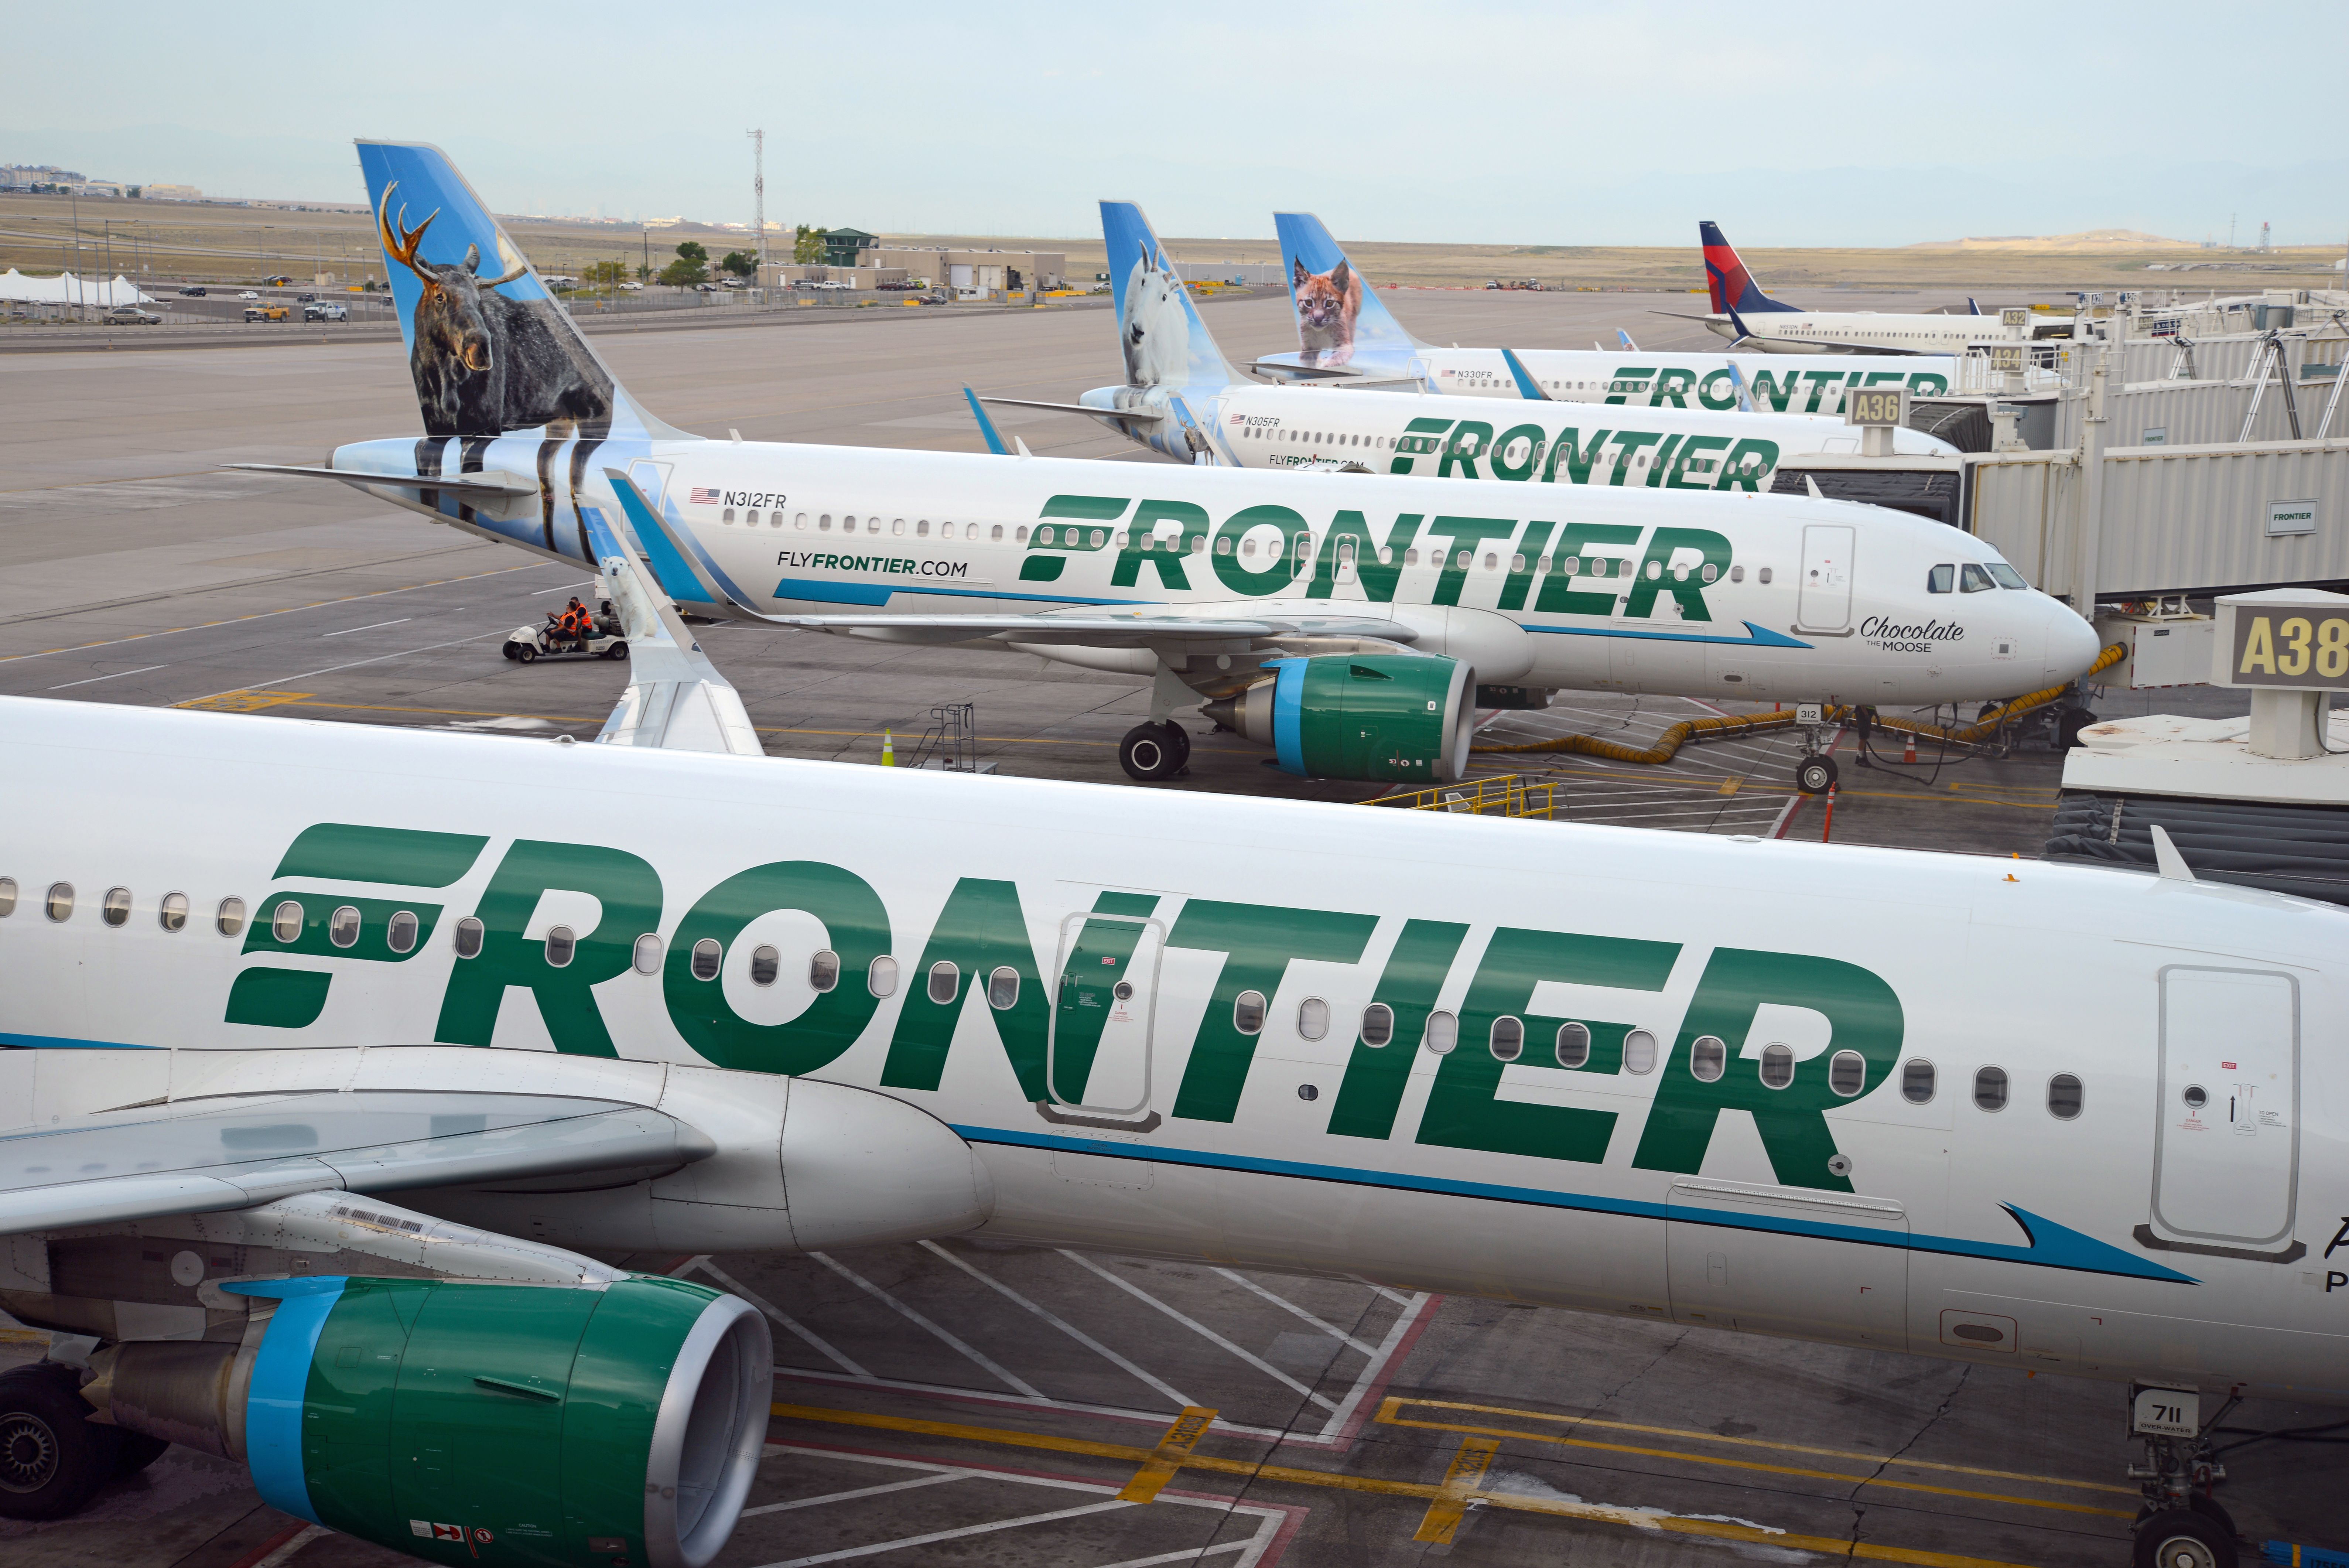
1637, 377
1834, 331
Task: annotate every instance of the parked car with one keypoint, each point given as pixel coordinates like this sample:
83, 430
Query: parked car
280, 280
130, 316
325, 310
247, 294
266, 313
193, 292
734, 283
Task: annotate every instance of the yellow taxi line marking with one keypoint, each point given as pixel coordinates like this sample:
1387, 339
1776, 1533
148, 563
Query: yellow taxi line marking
1699, 1435
599, 718
1661, 779
1731, 787
1460, 1477
1637, 1518
1169, 1456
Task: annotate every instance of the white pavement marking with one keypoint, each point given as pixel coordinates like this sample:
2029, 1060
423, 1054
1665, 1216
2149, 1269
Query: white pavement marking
560, 587
117, 675
964, 1347
885, 1487
1201, 1329
786, 1319
1180, 1400
329, 670
991, 1396
1379, 1361
1188, 1554
1332, 1329
285, 1554
1112, 1506
371, 626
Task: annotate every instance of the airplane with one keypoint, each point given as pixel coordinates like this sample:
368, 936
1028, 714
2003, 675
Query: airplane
1347, 336
1742, 311
1354, 624
1182, 398
352, 1131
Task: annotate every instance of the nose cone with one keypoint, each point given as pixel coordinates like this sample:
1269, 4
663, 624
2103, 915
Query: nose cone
2072, 644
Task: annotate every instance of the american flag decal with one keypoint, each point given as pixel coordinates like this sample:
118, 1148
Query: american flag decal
702, 497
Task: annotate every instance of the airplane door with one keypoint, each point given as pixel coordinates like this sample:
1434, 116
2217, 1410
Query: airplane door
1781, 1259
1825, 601
2227, 1136
1097, 1046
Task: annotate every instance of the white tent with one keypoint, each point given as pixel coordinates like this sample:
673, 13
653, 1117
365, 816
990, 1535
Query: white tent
66, 289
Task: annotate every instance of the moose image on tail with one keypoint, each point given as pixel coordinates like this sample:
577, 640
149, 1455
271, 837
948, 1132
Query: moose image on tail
485, 364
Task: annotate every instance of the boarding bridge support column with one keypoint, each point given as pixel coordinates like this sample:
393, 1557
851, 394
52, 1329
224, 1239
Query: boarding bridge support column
2090, 537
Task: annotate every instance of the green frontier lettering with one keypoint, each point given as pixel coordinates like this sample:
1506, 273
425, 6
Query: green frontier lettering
1468, 442
1376, 1075
1558, 593
1467, 535
1711, 550
1521, 577
1100, 956
856, 931
1349, 532
980, 930
1533, 436
630, 890
1575, 457
1420, 439
1863, 1016
1259, 941
1143, 548
1102, 509
1463, 1107
1279, 572
1774, 389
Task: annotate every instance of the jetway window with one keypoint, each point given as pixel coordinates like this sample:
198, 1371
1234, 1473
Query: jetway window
1573, 1045
1972, 579
229, 918
286, 921
707, 954
343, 927
1777, 1066
1846, 1073
1313, 1017
2004, 575
1378, 1024
1990, 1089
1247, 1013
1639, 1052
2064, 1096
646, 955
1708, 1058
766, 963
1941, 579
117, 906
823, 971
1916, 1081
1507, 1039
880, 976
1442, 1033
469, 937
7, 897
944, 980
1003, 989
562, 946
61, 900
399, 931
171, 914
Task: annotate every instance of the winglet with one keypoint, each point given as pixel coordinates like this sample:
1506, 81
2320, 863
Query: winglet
1813, 487
1973, 308
2165, 858
1527, 388
1737, 325
677, 699
986, 426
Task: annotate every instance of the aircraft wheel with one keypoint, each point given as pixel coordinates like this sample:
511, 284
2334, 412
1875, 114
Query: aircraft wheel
1180, 739
1147, 755
51, 1456
1815, 774
525, 653
2212, 1510
2069, 727
618, 651
2183, 1538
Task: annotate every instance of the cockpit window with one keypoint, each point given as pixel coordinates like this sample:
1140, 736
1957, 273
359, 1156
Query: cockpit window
1972, 579
2004, 575
1940, 580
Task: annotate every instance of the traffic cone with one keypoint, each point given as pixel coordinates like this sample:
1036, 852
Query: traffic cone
1909, 750
888, 750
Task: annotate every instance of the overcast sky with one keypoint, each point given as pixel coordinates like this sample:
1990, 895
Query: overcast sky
1551, 124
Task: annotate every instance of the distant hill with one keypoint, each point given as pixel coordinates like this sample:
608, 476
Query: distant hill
2093, 240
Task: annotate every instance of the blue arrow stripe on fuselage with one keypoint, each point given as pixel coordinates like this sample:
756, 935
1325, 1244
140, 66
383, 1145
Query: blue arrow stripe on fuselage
875, 596
1762, 637
2053, 1246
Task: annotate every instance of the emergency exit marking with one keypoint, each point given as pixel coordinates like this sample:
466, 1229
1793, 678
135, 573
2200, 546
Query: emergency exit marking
2306, 651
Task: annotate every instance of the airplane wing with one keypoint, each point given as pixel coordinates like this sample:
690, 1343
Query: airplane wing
486, 486
677, 699
1142, 416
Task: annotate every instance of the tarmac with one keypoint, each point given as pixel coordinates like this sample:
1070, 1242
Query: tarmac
962, 1402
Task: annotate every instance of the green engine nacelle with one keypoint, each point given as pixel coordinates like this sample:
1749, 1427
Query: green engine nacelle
1375, 716
464, 1422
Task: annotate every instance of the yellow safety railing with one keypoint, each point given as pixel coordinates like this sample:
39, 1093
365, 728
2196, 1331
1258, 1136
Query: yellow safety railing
1503, 795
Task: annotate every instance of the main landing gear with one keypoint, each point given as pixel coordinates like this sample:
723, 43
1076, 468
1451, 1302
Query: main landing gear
1153, 751
52, 1456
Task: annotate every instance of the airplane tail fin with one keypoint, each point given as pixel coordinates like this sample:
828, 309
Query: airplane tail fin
1732, 286
490, 348
1166, 346
1336, 310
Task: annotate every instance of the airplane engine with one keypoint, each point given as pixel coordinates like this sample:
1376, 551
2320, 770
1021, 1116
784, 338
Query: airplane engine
452, 1419
1374, 716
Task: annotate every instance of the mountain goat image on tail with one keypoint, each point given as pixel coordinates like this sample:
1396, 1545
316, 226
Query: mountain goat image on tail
485, 364
1154, 327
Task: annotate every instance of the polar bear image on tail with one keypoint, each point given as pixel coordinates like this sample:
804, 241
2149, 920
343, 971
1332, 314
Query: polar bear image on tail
1154, 327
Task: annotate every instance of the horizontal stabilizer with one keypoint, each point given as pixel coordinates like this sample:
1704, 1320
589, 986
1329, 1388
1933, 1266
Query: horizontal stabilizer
1142, 416
490, 485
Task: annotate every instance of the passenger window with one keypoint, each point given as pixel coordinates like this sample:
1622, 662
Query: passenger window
399, 931
995, 533
562, 946
2063, 1096
750, 519
799, 520
1507, 1039
1573, 1045
1313, 1017
1639, 1052
228, 920
286, 921
1378, 1024
117, 906
1710, 573
922, 529
469, 937
61, 897
1043, 535
705, 956
880, 976
1777, 1066
897, 525
765, 964
774, 519
823, 971
7, 897
1020, 535
1846, 1073
1003, 989
172, 915
343, 926
824, 523
728, 516
1763, 575
1247, 1013
1491, 559
1708, 1058
644, 958
1941, 579
1442, 1033
848, 525
1972, 579
1916, 1081
1990, 1089
1736, 574
944, 980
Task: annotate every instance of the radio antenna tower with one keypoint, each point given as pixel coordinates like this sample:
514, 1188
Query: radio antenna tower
759, 196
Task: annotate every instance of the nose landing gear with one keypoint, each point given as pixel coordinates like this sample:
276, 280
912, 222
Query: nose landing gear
2181, 1525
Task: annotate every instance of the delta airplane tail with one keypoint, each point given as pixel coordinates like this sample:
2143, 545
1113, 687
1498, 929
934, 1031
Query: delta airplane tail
1732, 286
1336, 312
